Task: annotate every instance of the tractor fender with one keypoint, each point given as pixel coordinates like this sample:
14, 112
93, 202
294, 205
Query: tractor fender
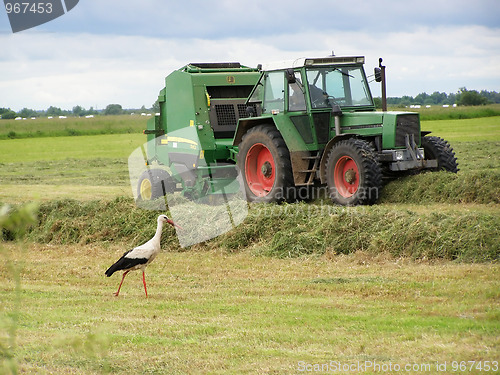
246, 124
326, 152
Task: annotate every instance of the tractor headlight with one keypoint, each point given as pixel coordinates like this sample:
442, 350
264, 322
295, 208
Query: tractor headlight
399, 155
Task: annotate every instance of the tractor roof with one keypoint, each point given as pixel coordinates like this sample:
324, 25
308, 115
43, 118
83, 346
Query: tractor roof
317, 61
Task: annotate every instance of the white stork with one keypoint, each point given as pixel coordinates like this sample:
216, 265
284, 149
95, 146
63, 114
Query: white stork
140, 256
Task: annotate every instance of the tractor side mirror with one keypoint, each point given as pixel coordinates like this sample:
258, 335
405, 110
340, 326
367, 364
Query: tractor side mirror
378, 74
290, 76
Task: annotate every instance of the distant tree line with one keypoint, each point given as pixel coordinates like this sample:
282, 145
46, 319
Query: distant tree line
463, 97
77, 111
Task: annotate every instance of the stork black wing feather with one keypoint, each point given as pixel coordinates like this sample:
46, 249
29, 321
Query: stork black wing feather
124, 263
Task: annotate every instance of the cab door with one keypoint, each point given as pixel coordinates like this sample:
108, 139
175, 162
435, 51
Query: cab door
305, 161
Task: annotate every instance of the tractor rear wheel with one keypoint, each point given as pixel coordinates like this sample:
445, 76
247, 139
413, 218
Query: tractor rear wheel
264, 162
153, 184
439, 149
353, 174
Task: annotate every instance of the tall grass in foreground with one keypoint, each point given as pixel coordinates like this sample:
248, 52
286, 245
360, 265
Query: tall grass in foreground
13, 222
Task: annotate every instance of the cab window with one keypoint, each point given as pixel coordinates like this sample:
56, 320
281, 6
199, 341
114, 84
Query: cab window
274, 95
296, 95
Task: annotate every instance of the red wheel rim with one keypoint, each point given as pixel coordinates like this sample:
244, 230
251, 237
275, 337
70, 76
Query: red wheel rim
260, 170
346, 176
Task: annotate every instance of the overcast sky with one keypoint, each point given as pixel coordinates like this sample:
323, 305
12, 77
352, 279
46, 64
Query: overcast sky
119, 51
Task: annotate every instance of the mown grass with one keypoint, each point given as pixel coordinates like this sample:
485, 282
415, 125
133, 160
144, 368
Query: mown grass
214, 312
481, 187
478, 180
297, 230
72, 126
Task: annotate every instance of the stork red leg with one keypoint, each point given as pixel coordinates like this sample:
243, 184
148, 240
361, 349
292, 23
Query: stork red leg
123, 278
144, 282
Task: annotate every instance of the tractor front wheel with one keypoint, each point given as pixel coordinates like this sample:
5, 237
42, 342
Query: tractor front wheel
353, 174
439, 149
264, 162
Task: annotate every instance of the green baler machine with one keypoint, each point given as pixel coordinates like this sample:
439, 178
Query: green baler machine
285, 129
192, 134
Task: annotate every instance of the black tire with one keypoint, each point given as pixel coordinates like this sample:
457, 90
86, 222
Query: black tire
272, 179
438, 148
153, 184
353, 173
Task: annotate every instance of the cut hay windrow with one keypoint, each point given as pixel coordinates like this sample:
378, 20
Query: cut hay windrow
288, 230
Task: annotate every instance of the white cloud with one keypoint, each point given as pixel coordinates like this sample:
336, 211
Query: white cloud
224, 18
43, 69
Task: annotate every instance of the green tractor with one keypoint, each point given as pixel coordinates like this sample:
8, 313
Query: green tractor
287, 130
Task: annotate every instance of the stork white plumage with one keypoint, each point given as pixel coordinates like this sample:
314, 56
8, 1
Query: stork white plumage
140, 256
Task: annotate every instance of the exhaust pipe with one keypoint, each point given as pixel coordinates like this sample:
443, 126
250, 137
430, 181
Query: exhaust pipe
337, 112
380, 77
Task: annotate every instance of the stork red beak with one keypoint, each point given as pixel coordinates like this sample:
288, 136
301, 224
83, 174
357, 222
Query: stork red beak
173, 224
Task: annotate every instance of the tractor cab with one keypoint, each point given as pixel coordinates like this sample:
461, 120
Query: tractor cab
313, 84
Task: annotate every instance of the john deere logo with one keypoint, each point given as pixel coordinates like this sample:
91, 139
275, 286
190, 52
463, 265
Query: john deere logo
25, 14
230, 79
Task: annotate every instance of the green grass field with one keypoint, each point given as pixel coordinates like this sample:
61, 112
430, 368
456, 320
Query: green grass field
72, 126
466, 130
109, 146
102, 160
412, 281
450, 113
217, 313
